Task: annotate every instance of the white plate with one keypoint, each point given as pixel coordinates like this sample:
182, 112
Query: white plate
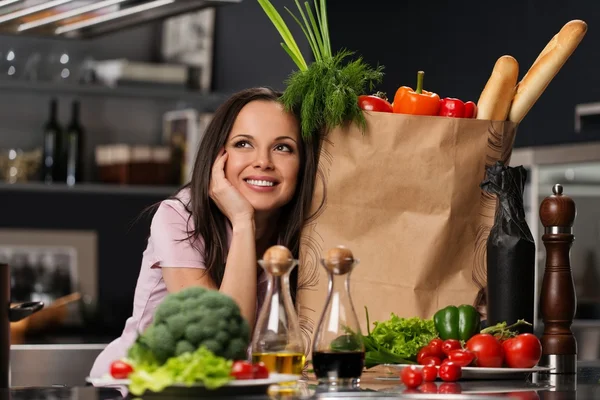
484, 373
252, 386
271, 380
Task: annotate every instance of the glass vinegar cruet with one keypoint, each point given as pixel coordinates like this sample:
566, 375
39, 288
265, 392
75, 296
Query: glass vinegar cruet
277, 339
338, 351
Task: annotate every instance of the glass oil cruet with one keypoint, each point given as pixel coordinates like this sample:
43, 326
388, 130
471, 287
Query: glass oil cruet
277, 340
338, 351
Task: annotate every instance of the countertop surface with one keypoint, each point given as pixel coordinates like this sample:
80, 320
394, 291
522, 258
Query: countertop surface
583, 385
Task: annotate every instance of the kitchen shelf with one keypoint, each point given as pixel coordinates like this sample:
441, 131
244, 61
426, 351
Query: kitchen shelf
91, 188
208, 101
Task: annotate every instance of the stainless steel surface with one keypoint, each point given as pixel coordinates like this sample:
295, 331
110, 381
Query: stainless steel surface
562, 363
47, 365
67, 18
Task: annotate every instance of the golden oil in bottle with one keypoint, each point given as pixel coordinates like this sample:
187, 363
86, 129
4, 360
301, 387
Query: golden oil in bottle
281, 363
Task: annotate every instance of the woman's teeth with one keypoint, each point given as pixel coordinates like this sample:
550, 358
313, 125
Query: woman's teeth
259, 183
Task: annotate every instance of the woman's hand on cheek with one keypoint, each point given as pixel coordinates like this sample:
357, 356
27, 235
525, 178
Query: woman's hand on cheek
229, 200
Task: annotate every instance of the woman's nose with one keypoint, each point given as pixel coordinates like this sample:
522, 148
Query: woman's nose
263, 161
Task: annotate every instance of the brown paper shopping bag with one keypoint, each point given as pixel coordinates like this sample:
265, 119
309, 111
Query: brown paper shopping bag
404, 196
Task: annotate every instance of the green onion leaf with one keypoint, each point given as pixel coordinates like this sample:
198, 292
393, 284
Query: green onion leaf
316, 30
285, 33
308, 34
325, 29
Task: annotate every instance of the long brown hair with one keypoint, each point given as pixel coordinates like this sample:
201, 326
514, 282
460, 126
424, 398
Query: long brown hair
209, 223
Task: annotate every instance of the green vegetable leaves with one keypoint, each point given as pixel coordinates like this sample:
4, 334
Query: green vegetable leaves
397, 340
324, 93
188, 368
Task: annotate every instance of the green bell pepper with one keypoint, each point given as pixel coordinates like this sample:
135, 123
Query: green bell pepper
458, 323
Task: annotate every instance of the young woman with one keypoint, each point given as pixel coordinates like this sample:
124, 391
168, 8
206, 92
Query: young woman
251, 188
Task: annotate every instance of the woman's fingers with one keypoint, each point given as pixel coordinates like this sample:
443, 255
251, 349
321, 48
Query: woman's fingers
218, 172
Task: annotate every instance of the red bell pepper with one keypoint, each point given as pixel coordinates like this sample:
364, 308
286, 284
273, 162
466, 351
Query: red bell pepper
470, 110
455, 108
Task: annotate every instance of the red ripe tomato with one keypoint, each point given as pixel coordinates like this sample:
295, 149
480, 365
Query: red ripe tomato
411, 376
374, 103
260, 371
461, 357
120, 369
431, 361
425, 352
522, 351
430, 373
449, 345
435, 347
450, 372
487, 349
242, 370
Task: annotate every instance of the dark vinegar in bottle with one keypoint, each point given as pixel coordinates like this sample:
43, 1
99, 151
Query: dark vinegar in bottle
338, 365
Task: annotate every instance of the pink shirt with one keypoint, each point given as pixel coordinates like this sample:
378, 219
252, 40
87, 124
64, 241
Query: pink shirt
165, 249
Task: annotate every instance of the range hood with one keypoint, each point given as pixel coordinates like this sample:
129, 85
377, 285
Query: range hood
80, 19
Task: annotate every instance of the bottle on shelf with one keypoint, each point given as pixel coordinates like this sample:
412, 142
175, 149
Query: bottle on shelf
74, 147
51, 166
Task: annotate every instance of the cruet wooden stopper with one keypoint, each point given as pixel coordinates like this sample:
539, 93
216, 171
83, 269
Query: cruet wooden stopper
558, 301
339, 260
277, 260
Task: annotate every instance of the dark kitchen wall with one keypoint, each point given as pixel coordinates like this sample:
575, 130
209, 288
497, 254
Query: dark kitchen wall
457, 44
247, 47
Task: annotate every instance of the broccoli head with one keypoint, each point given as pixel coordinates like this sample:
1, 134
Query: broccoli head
197, 317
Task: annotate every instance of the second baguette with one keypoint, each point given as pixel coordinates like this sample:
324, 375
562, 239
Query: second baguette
495, 99
545, 68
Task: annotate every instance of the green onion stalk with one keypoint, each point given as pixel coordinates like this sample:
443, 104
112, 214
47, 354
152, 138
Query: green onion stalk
325, 92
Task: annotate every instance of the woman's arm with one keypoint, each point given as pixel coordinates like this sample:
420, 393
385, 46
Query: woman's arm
239, 279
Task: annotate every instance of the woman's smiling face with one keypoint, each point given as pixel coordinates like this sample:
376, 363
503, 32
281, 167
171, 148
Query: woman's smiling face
263, 150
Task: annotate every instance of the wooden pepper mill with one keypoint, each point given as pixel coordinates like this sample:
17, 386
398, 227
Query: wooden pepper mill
558, 301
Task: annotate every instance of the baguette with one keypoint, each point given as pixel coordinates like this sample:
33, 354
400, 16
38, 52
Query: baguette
495, 99
545, 67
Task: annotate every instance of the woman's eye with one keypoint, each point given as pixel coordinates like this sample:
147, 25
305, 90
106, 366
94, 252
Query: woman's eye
283, 147
242, 144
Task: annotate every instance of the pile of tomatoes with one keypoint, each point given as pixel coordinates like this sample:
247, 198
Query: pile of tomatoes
445, 358
242, 370
484, 350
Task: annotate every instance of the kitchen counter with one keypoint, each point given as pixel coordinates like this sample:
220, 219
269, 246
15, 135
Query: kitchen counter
584, 385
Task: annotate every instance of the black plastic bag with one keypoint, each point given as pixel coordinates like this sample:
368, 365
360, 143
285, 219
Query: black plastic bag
510, 250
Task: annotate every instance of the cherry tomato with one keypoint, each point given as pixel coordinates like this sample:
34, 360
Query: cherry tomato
487, 349
260, 371
425, 352
428, 387
411, 376
449, 345
522, 351
450, 372
450, 388
431, 361
242, 370
120, 369
430, 373
374, 103
461, 357
436, 348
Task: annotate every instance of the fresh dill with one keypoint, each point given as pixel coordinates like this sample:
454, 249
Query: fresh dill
325, 92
